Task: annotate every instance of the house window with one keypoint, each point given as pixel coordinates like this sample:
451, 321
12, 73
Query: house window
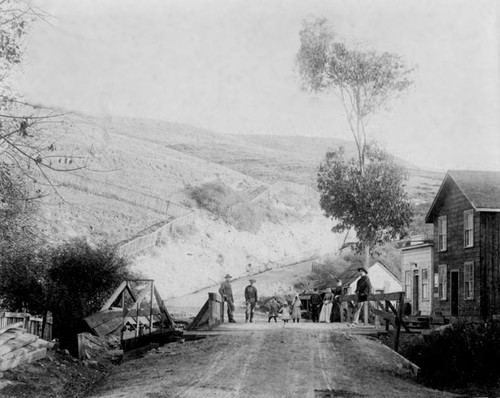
468, 228
425, 285
469, 280
442, 233
442, 282
408, 284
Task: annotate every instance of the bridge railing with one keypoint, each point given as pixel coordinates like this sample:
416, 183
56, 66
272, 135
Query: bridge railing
385, 306
210, 315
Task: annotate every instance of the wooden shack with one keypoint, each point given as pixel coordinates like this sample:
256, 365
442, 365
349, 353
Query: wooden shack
382, 279
466, 218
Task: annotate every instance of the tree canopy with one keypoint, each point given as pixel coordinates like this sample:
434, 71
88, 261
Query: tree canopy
365, 81
374, 203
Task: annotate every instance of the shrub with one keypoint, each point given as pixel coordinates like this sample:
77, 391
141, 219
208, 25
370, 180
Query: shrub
23, 282
326, 274
214, 196
462, 355
81, 278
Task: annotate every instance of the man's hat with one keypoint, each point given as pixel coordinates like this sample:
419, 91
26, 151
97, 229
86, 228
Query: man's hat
252, 280
363, 269
228, 276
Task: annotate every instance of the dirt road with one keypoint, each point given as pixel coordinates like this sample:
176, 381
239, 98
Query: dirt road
267, 360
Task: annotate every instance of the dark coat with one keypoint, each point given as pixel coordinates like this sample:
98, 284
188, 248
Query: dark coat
363, 288
251, 293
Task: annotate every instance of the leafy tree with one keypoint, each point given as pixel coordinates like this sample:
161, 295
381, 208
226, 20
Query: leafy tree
81, 278
23, 282
365, 81
374, 203
364, 193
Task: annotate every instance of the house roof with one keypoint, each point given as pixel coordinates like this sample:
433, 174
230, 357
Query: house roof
351, 273
481, 188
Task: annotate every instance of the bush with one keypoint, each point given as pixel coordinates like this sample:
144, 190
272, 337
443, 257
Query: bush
23, 282
326, 275
81, 278
214, 197
462, 355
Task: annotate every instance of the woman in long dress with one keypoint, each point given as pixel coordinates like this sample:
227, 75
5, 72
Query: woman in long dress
296, 308
326, 310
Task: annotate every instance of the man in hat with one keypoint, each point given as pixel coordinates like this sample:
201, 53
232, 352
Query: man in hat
226, 292
250, 299
315, 301
337, 292
363, 289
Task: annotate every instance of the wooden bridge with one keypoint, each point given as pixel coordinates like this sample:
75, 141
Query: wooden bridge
380, 310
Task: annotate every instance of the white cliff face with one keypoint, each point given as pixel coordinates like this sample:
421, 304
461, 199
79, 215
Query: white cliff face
201, 255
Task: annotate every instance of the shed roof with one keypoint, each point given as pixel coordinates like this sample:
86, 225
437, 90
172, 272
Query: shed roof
481, 188
351, 273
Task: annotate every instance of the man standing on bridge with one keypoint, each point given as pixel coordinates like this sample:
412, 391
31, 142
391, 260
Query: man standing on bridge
363, 289
250, 299
226, 291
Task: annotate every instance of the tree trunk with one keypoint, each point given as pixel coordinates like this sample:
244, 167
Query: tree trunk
367, 256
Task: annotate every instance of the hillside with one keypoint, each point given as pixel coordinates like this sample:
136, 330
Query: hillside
137, 175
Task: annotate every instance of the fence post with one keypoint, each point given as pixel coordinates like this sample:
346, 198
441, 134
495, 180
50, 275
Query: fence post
399, 319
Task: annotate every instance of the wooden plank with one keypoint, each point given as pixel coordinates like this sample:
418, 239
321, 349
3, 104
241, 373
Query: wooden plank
393, 309
163, 308
21, 341
27, 358
17, 325
17, 353
197, 320
123, 287
102, 317
10, 335
399, 322
373, 297
109, 327
386, 315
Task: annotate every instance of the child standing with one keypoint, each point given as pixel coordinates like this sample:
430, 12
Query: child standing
273, 309
285, 312
296, 308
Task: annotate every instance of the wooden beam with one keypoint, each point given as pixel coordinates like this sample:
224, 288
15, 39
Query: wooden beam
199, 317
123, 287
163, 308
29, 357
386, 315
372, 297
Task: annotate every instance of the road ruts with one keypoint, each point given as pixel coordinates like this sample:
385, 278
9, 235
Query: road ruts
263, 359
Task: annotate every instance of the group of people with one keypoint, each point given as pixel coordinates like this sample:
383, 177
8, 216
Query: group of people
286, 312
322, 308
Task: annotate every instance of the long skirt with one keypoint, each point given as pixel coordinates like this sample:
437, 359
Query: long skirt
326, 311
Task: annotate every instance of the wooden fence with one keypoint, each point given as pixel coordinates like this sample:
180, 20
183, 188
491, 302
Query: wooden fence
33, 324
385, 307
154, 238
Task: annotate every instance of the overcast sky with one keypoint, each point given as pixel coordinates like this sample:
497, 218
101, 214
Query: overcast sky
228, 65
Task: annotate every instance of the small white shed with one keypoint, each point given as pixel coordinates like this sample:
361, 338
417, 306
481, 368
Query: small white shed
381, 278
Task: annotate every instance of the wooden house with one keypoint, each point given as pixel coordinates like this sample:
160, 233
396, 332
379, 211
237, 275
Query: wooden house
418, 271
382, 279
466, 218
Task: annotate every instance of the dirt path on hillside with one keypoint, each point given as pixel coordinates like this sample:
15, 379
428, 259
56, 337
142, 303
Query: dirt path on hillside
267, 360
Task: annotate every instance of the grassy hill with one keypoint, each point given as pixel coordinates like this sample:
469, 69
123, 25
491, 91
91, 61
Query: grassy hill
129, 162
